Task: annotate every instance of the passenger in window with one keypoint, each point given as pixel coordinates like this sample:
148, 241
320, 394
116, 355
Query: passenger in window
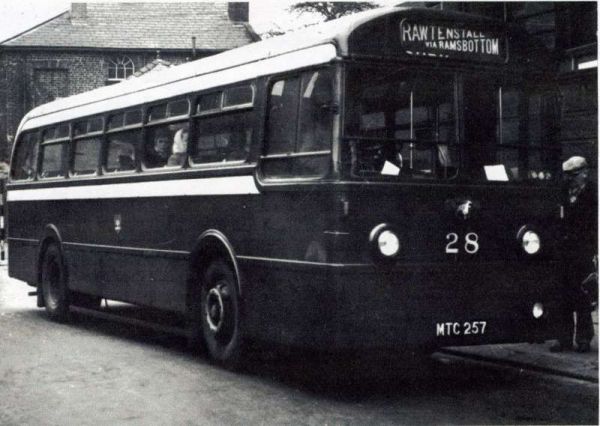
240, 148
126, 158
27, 168
180, 143
158, 155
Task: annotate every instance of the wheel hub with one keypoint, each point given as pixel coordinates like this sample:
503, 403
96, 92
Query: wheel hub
215, 309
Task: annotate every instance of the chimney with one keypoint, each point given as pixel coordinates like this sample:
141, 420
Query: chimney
238, 11
78, 11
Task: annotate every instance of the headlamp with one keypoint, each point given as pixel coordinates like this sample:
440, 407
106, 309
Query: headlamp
388, 243
385, 242
530, 240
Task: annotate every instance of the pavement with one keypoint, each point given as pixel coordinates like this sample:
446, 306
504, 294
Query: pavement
537, 357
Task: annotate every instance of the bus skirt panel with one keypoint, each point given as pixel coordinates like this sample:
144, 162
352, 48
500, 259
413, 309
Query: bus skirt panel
23, 259
406, 307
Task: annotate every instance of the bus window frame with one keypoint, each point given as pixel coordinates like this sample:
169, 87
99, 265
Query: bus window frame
108, 132
196, 116
411, 70
502, 79
146, 119
65, 154
148, 124
524, 146
238, 106
96, 172
34, 176
217, 164
337, 117
85, 136
144, 168
194, 112
106, 144
64, 164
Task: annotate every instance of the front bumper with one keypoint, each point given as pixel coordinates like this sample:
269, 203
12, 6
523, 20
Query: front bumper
405, 307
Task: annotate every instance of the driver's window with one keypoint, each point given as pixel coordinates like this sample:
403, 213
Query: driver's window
315, 118
299, 129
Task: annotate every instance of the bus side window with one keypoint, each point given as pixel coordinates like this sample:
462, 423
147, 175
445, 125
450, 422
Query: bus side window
120, 156
86, 154
87, 146
166, 146
224, 138
123, 141
157, 147
52, 160
26, 155
53, 149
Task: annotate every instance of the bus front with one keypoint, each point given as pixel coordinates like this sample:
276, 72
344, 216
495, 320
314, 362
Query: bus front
450, 160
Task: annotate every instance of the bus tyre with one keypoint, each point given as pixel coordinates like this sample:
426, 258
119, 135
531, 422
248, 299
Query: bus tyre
220, 315
54, 284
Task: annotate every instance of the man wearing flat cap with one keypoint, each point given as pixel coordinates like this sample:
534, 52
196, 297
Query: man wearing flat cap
580, 256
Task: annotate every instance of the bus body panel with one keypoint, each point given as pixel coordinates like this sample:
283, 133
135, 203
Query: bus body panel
308, 273
22, 263
355, 300
407, 307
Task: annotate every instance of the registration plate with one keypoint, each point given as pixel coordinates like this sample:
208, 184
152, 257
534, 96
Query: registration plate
460, 328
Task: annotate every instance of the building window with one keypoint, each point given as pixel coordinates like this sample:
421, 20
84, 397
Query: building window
49, 84
119, 69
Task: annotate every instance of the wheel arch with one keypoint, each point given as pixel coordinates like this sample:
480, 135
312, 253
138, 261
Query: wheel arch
50, 235
212, 244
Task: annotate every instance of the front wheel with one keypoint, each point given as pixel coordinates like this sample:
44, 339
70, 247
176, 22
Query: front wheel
54, 284
220, 315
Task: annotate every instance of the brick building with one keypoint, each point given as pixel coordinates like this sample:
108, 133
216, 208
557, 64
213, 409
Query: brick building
95, 44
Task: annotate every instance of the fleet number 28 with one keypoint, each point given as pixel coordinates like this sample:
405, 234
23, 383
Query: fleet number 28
471, 243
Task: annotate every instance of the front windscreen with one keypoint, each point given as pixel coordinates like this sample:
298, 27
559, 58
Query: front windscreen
420, 124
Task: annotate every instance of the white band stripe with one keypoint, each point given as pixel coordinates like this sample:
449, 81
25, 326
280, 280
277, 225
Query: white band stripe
230, 185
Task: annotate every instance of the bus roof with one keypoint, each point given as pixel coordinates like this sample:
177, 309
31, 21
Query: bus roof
336, 35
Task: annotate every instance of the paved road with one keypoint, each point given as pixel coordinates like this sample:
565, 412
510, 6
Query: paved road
98, 372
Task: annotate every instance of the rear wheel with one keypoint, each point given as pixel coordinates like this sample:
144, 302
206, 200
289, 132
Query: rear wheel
54, 284
220, 315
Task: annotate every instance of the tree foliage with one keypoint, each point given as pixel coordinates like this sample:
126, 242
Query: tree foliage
331, 9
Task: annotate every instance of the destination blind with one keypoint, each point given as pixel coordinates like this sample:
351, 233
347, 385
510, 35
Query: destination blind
451, 42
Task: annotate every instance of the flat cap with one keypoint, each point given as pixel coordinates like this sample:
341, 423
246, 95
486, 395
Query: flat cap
574, 164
